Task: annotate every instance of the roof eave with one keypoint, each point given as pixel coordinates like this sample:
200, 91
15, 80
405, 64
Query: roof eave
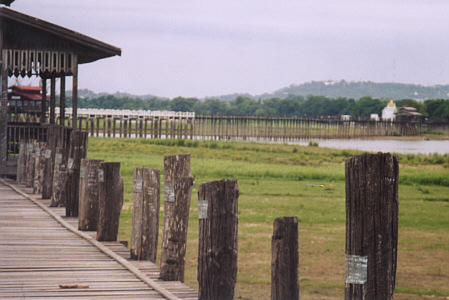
107, 49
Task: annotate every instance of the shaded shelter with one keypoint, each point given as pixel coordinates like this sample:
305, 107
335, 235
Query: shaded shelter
34, 47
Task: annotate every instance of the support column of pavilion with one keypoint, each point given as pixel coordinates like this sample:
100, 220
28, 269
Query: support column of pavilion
3, 108
3, 116
62, 98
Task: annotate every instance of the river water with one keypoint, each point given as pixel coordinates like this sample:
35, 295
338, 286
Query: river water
398, 146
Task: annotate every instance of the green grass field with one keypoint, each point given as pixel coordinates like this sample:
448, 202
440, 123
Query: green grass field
277, 180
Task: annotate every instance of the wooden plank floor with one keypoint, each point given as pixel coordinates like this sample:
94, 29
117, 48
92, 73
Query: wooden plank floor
38, 254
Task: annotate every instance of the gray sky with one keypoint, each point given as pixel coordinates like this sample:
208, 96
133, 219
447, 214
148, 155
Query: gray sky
208, 48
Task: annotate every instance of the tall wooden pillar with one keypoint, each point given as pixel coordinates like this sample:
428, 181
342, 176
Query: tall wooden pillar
3, 116
52, 100
371, 226
75, 94
62, 102
44, 100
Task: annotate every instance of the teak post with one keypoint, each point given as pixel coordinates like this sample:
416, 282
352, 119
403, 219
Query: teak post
58, 196
218, 239
54, 140
285, 259
21, 163
29, 175
146, 205
177, 193
39, 164
77, 151
371, 226
110, 200
88, 198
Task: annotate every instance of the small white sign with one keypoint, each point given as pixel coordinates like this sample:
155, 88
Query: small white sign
169, 193
356, 269
202, 209
83, 172
138, 183
70, 164
100, 175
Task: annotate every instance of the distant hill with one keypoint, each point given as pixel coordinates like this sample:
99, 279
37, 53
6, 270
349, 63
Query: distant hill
329, 89
86, 93
356, 90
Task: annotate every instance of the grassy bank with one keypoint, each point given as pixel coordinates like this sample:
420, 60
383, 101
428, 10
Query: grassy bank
278, 180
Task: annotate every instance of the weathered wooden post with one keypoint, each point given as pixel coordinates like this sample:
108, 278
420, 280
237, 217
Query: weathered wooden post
54, 140
218, 234
21, 163
39, 164
285, 259
146, 206
88, 194
177, 193
77, 151
58, 196
110, 200
29, 176
47, 168
371, 226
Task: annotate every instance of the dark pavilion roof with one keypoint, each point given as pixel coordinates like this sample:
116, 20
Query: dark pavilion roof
23, 32
6, 2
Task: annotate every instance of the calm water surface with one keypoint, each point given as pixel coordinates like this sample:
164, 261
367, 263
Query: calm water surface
398, 146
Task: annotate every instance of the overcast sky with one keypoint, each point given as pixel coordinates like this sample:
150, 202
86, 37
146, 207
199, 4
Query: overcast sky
208, 48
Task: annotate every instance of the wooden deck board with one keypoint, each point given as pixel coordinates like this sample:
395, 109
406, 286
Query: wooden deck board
37, 254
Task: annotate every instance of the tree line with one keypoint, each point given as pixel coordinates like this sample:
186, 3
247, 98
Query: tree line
310, 106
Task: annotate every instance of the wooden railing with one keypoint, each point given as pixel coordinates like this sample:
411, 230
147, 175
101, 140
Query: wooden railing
18, 130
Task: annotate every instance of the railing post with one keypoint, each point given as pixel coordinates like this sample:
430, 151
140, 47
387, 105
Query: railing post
371, 226
29, 175
39, 164
146, 205
88, 194
285, 259
177, 190
58, 196
77, 151
110, 200
218, 239
54, 140
21, 163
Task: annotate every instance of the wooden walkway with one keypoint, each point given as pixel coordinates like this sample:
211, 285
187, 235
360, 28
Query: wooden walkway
41, 253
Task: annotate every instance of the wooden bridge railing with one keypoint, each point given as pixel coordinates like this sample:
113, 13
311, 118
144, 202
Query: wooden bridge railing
21, 130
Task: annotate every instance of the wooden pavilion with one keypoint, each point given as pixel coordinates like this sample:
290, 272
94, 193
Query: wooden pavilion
33, 47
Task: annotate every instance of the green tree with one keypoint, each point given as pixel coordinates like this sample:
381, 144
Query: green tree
442, 112
243, 106
183, 104
366, 106
432, 106
211, 107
